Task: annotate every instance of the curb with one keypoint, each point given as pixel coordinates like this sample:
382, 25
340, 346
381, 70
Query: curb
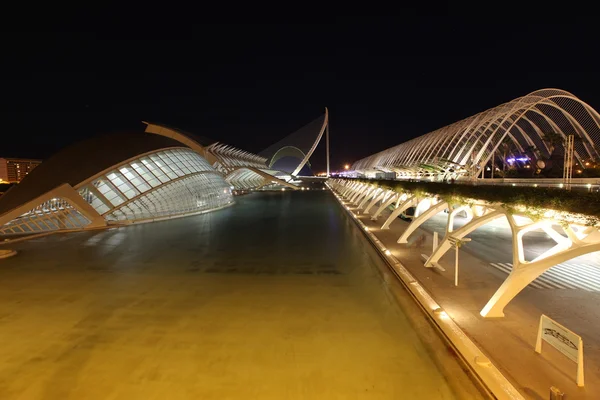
480, 365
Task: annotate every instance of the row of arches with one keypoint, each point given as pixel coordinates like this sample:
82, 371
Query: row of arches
571, 239
534, 124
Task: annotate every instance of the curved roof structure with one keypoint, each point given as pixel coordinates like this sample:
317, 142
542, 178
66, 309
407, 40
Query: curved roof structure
119, 178
226, 159
76, 163
129, 177
463, 147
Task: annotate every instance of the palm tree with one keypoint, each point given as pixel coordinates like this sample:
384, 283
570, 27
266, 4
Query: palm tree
552, 140
506, 145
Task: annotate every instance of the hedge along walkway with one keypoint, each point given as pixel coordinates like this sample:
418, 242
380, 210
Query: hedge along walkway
534, 201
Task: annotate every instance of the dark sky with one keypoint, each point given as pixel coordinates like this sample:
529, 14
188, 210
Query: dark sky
385, 80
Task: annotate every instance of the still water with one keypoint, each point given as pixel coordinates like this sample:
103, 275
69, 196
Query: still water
277, 297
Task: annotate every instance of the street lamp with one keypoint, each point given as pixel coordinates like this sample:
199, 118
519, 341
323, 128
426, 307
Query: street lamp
346, 167
457, 243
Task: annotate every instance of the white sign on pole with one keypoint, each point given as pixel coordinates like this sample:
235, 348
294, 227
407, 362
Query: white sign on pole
563, 340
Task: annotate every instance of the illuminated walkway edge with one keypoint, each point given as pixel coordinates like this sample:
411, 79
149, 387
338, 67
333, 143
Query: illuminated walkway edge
479, 364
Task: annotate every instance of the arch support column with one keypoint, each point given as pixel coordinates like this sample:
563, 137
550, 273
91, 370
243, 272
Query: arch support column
523, 274
463, 231
418, 221
350, 188
359, 190
382, 196
365, 193
412, 200
386, 204
372, 195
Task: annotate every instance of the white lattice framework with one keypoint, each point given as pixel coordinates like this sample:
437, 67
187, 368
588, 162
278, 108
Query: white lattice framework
242, 169
230, 158
571, 235
53, 214
464, 147
156, 185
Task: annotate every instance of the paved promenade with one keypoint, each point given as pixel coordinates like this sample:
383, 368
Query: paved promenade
509, 341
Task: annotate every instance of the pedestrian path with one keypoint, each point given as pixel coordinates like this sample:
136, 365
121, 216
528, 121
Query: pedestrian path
563, 276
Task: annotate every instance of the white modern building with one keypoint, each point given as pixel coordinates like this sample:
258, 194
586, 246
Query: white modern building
132, 177
517, 131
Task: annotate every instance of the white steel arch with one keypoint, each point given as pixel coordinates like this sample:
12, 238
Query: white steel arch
462, 148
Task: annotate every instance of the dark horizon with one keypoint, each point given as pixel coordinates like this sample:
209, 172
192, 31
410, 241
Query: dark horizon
384, 80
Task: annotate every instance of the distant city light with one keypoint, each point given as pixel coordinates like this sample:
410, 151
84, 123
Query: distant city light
513, 159
346, 166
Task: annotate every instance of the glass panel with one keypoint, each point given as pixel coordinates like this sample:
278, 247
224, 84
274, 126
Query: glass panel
192, 194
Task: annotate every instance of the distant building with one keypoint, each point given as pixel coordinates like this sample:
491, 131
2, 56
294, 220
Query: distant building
13, 170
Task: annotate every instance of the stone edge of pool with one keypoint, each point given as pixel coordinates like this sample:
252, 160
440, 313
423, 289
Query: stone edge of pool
473, 356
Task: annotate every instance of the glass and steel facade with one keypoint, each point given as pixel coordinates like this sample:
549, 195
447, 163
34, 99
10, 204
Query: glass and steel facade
157, 185
166, 183
51, 215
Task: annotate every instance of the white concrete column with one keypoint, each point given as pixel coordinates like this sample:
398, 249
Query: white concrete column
381, 197
462, 232
365, 193
372, 195
418, 221
360, 193
350, 188
522, 275
386, 204
452, 214
411, 201
357, 192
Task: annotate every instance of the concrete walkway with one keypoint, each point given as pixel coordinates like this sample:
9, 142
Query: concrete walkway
510, 341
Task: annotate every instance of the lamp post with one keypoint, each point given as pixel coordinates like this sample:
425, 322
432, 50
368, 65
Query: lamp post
457, 243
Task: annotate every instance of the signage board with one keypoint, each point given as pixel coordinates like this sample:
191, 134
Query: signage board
563, 340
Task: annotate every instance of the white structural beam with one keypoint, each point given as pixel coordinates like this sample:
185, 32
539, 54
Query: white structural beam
579, 239
433, 209
370, 196
314, 146
380, 197
65, 192
394, 197
264, 175
409, 202
463, 231
463, 149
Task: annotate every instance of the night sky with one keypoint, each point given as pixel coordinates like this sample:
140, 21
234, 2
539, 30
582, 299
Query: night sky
385, 80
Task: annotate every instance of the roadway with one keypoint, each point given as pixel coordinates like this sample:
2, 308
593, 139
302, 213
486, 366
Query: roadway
493, 244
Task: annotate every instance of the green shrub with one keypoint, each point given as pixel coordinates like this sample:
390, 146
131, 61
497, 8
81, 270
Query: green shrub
587, 203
